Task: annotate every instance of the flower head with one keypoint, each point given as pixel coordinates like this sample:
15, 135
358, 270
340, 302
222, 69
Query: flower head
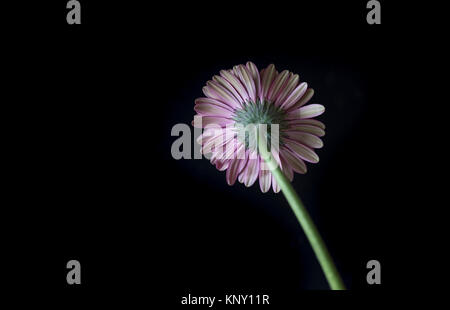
243, 97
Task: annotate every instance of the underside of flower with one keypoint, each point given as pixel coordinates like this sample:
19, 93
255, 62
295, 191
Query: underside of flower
243, 97
258, 113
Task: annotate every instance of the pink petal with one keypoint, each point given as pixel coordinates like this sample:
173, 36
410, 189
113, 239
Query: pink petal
275, 186
288, 172
287, 89
230, 149
267, 78
234, 149
204, 100
240, 150
265, 178
251, 171
311, 111
308, 129
276, 155
212, 110
213, 159
226, 84
233, 171
247, 80
302, 151
312, 122
207, 135
294, 162
295, 96
213, 120
216, 91
305, 138
277, 85
216, 144
303, 100
243, 166
236, 83
241, 177
243, 161
222, 165
261, 74
251, 67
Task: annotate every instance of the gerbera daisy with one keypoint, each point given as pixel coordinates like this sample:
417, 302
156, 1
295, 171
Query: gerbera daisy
242, 96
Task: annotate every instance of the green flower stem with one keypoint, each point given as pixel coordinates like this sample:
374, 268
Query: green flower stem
313, 235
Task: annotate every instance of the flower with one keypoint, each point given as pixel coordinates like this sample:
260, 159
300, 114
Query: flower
243, 96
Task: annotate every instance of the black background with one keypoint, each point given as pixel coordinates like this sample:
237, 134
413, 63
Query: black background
100, 184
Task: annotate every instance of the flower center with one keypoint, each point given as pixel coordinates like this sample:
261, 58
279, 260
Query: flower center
254, 114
